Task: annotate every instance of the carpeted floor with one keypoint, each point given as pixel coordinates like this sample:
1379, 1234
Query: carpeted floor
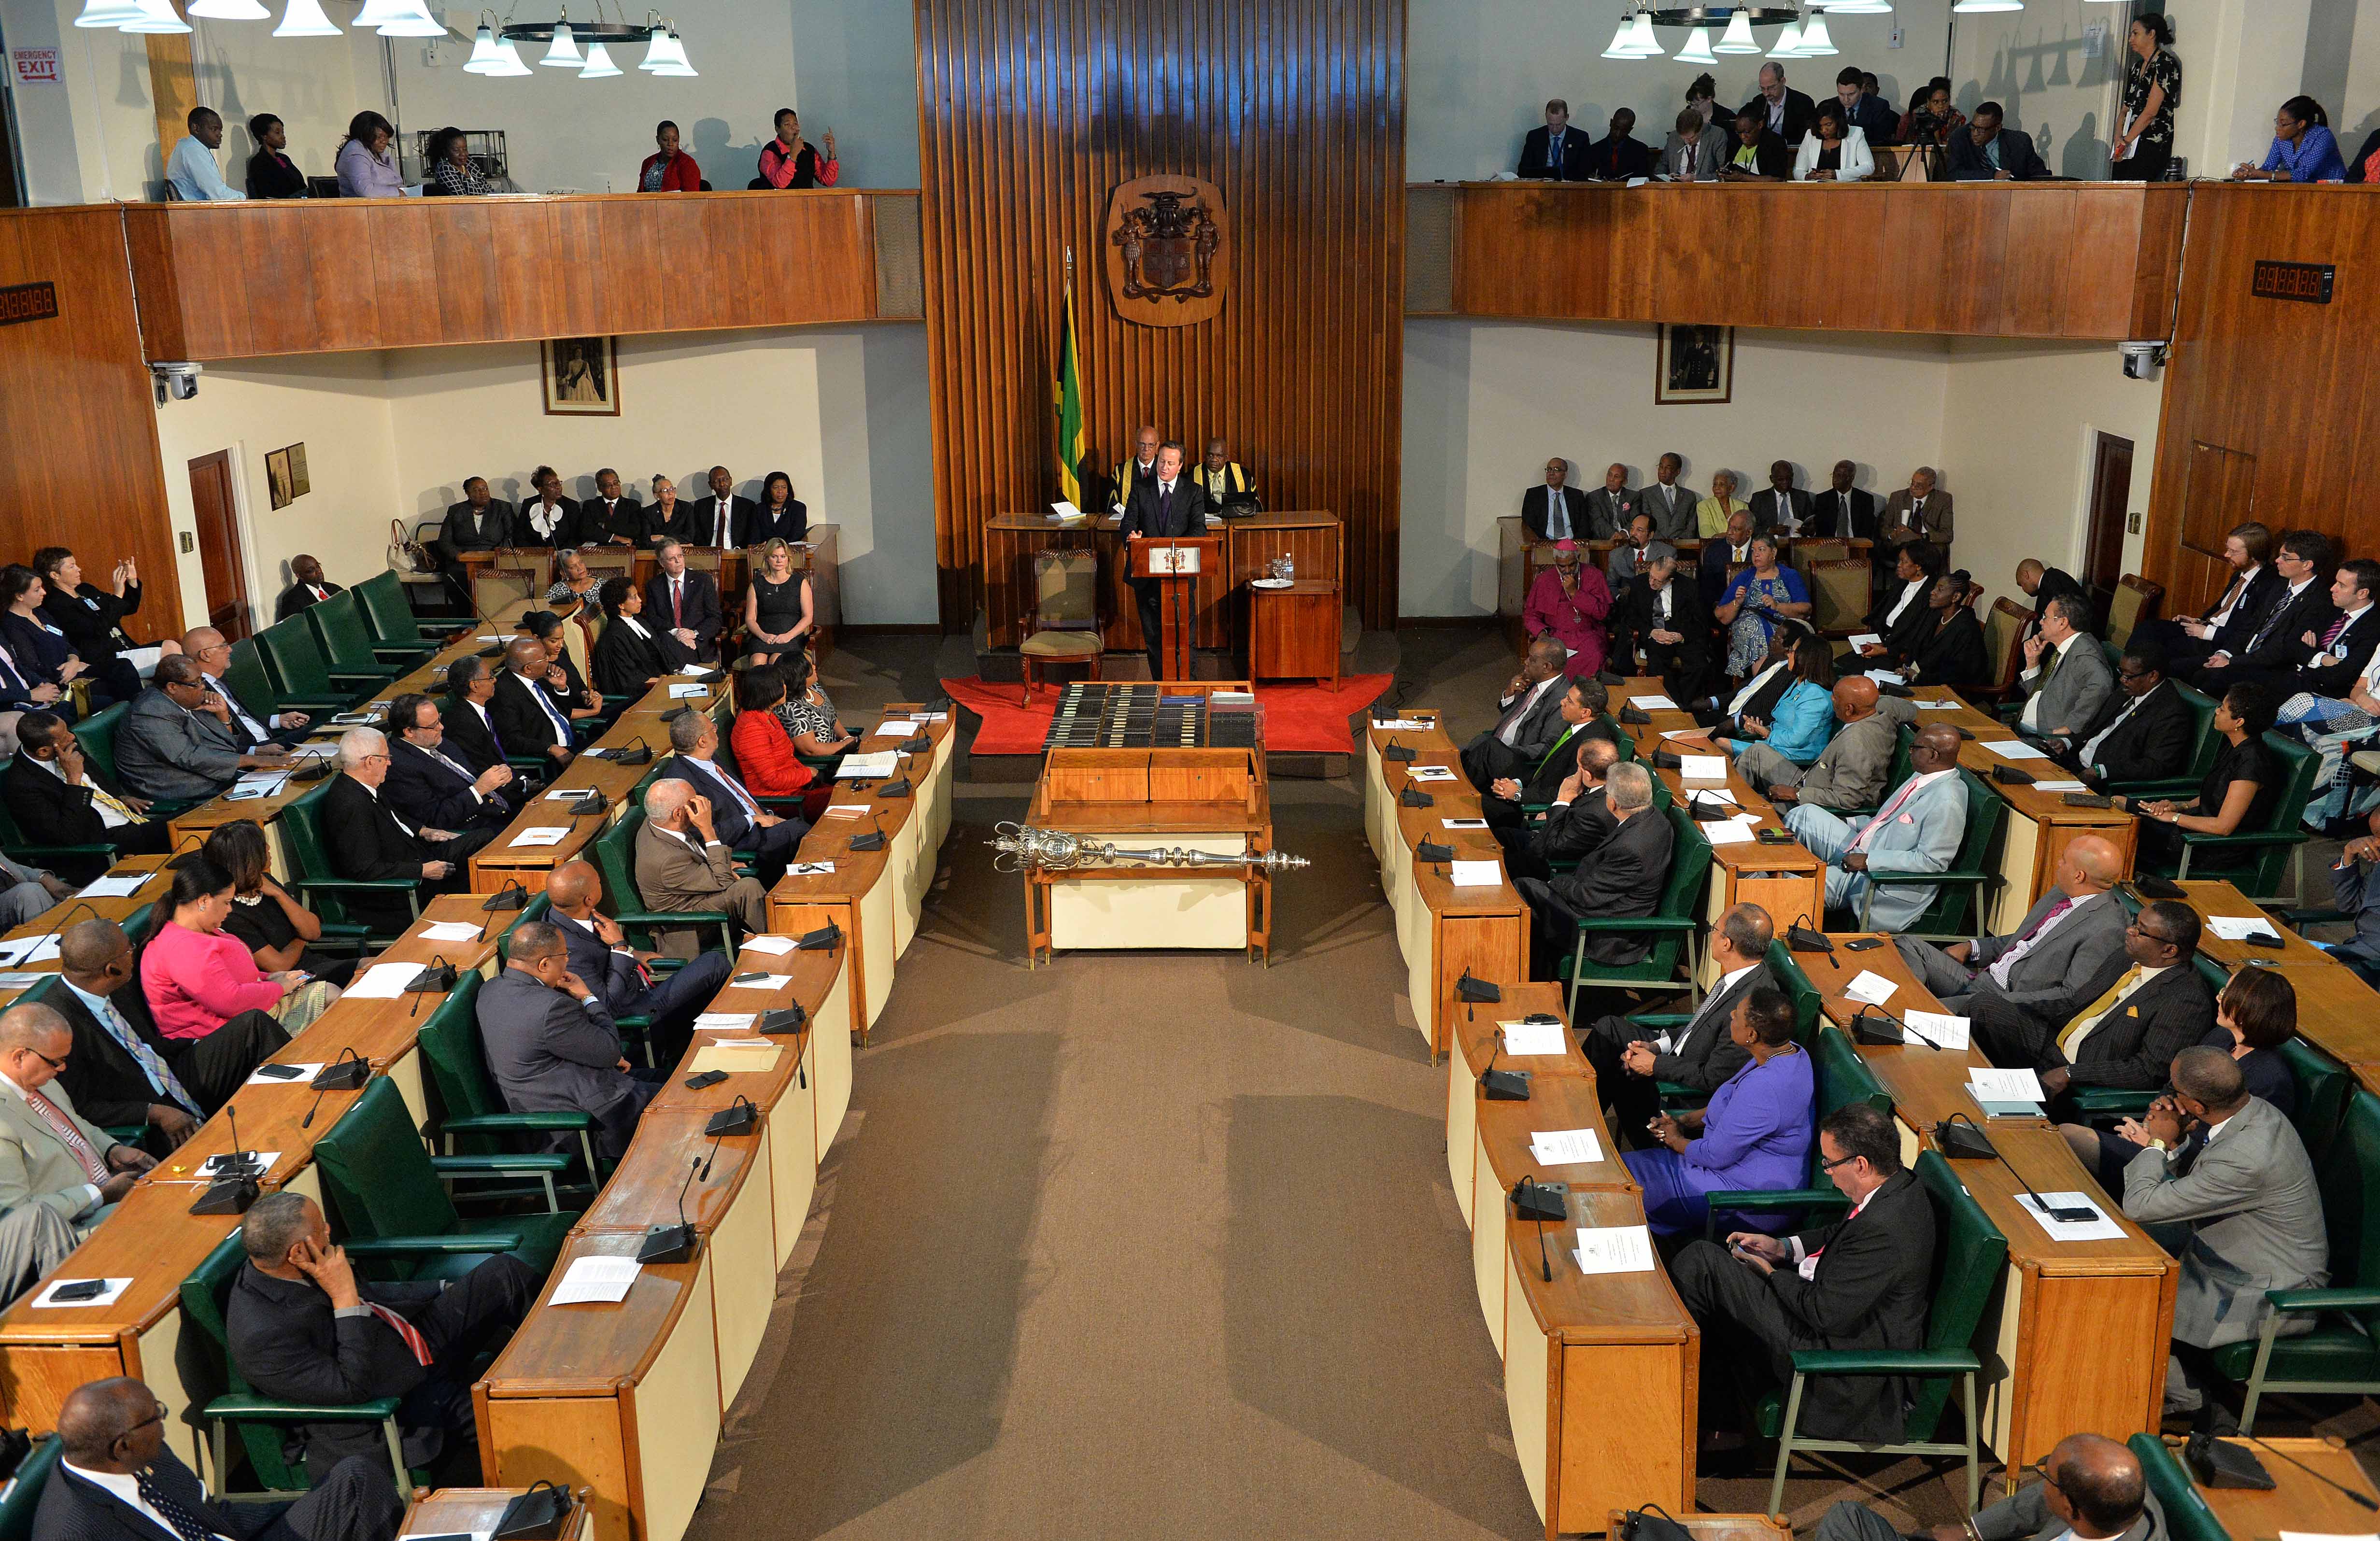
1157, 1244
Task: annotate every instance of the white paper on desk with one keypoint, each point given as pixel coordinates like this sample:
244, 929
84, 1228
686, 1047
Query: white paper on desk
568, 794
688, 691
2286, 1534
1465, 823
450, 930
2098, 1228
1944, 705
1527, 1039
1887, 677
1865, 639
1726, 832
2040, 785
771, 945
1939, 1028
114, 888
258, 1160
1988, 1085
1687, 733
1614, 1249
1402, 724
2240, 928
29, 950
1870, 987
766, 981
1703, 768
485, 636
726, 1022
382, 982
868, 767
810, 869
1065, 510
257, 784
290, 1074
314, 751
1565, 1148
106, 1297
1476, 874
545, 834
2014, 748
893, 727
20, 981
591, 1280
848, 810
143, 659
1653, 703
1430, 773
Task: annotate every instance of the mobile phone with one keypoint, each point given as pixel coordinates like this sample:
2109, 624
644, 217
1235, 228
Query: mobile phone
279, 1072
1863, 945
748, 978
708, 1078
81, 1289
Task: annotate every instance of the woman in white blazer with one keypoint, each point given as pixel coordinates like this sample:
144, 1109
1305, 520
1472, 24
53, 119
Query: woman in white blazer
1833, 150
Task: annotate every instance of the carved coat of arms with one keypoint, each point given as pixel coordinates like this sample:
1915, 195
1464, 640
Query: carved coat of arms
1166, 246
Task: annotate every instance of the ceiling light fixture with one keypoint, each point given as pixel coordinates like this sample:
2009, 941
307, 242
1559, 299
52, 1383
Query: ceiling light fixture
230, 10
304, 18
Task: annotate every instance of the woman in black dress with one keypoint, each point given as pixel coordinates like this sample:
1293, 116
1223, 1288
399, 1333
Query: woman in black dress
628, 660
782, 516
43, 653
271, 923
1951, 653
776, 606
2237, 794
93, 617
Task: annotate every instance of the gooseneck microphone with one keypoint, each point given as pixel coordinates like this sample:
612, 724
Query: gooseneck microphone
674, 1244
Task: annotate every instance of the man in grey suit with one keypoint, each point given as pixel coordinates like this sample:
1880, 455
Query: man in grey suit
1697, 152
51, 1157
1611, 505
1917, 829
175, 743
2243, 1189
1628, 559
1672, 506
2067, 681
1849, 773
550, 1044
2070, 940
1531, 719
1920, 511
2094, 1491
682, 865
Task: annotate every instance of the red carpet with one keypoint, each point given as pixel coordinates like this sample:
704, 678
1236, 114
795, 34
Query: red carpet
1299, 719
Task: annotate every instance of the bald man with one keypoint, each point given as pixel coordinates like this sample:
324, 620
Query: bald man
627, 981
2092, 1489
1127, 475
252, 727
2066, 952
1916, 830
1850, 773
119, 1479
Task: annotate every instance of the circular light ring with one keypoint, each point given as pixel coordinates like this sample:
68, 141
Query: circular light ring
581, 32
1721, 16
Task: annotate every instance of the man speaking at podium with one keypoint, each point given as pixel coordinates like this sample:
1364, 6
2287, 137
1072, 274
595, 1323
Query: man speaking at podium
1165, 506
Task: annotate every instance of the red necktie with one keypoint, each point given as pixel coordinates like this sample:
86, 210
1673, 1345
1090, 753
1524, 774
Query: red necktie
413, 1340
677, 602
64, 1128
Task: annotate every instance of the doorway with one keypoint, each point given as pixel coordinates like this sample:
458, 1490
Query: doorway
2111, 496
211, 501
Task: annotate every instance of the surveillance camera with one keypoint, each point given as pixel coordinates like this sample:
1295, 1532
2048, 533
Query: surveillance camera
180, 381
2141, 360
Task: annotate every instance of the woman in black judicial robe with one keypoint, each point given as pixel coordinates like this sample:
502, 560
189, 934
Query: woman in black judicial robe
627, 658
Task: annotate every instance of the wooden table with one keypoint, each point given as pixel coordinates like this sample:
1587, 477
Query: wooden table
463, 1511
2211, 898
156, 881
1471, 1046
1009, 543
2297, 1501
1293, 632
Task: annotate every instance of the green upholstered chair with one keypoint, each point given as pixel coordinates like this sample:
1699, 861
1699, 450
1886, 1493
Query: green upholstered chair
1956, 910
381, 600
338, 625
472, 1107
1672, 926
261, 1423
96, 734
1968, 1256
246, 676
2341, 1355
81, 862
1841, 1077
615, 857
388, 1194
23, 1493
1903, 766
2253, 859
302, 831
2187, 1515
298, 665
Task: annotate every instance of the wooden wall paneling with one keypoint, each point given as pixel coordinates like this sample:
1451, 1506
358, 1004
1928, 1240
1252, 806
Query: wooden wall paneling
405, 272
76, 408
575, 289
2156, 262
1030, 115
2033, 288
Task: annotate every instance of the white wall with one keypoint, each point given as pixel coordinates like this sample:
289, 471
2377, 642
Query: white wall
1478, 74
1486, 403
2058, 82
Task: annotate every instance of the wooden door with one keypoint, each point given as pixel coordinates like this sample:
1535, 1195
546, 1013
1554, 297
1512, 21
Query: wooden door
2111, 495
219, 553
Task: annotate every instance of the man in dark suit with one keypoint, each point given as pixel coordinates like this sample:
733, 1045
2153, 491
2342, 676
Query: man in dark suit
2146, 734
55, 796
118, 1074
175, 740
2091, 1486
551, 1046
2226, 625
367, 839
1921, 511
2042, 584
683, 608
549, 518
1784, 112
2277, 643
469, 724
722, 518
1621, 878
613, 518
528, 720
1721, 555
1900, 616
431, 787
1863, 1282
1702, 1053
118, 1481
1554, 152
622, 977
2335, 652
310, 588
1843, 511
562, 682
480, 523
1864, 111
1671, 503
303, 1328
1577, 818
742, 825
1582, 702
1988, 152
1529, 717
2146, 1007
1660, 625
1164, 507
1556, 511
1611, 507
1619, 155
1780, 506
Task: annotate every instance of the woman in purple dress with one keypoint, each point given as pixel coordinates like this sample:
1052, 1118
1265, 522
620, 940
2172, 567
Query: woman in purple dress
1754, 1135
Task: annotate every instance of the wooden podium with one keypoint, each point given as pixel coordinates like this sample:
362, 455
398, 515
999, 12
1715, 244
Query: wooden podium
1175, 562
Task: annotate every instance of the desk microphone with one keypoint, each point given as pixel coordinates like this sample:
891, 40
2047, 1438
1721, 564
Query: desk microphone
1469, 989
874, 839
1396, 752
1434, 852
826, 939
349, 1072
437, 977
237, 1159
737, 1118
1415, 799
512, 896
675, 1243
44, 940
641, 754
1874, 1025
235, 1185
1502, 1086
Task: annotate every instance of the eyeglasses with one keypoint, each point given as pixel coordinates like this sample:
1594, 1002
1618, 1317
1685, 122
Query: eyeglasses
2041, 1469
2136, 928
1825, 1165
58, 1065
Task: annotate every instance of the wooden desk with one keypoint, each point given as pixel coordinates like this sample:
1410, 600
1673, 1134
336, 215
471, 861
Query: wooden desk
156, 882
1471, 1044
2297, 1501
1293, 633
2211, 898
1927, 1085
462, 1511
1500, 1157
1010, 541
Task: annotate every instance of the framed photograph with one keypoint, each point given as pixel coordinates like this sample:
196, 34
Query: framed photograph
582, 377
1694, 364
277, 475
298, 484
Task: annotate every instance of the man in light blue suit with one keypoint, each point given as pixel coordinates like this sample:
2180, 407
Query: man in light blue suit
1917, 829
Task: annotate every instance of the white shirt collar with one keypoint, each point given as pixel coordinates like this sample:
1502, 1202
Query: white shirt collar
1727, 980
2072, 638
10, 1082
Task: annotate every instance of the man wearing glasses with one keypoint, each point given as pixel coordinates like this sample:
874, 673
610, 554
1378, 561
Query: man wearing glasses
2091, 1487
60, 1175
214, 655
1860, 1283
176, 742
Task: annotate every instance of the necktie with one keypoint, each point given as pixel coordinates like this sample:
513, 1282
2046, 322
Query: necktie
187, 1525
2336, 627
1568, 733
152, 1064
112, 802
2231, 597
1917, 517
742, 799
2048, 666
489, 723
677, 603
1883, 815
2272, 619
413, 1340
68, 1135
2008, 961
2091, 1015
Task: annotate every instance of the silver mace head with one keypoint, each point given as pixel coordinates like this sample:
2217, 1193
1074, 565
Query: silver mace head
1022, 846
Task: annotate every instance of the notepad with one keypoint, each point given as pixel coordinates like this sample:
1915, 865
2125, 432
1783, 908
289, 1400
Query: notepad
2014, 748
596, 1280
896, 727
736, 1056
1653, 703
1476, 874
688, 691
547, 834
1870, 987
1865, 639
1402, 725
847, 810
2098, 1228
1465, 823
868, 767
1949, 705
771, 945
314, 751
1565, 1148
726, 1022
1527, 1039
450, 930
2040, 785
1886, 676
1703, 768
114, 888
106, 1297
1939, 1028
382, 982
1065, 511
2240, 928
1614, 1249
1985, 1084
1431, 772
1728, 833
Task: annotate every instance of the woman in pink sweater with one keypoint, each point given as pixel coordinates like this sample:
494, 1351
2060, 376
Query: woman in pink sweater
197, 977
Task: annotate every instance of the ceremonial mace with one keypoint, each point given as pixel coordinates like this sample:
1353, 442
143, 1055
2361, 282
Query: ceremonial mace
1022, 846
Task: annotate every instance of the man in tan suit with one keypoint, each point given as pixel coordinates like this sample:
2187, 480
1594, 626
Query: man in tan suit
681, 865
59, 1175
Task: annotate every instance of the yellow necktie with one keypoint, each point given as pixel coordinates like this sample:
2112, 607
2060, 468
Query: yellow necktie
2095, 1010
109, 801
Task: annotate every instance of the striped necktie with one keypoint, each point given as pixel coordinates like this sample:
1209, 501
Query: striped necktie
2091, 1014
405, 1330
152, 1064
68, 1135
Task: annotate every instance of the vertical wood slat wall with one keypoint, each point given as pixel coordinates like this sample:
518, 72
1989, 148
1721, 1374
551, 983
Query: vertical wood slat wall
1030, 113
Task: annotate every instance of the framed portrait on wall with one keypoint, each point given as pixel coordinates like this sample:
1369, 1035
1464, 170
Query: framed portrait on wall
1694, 365
298, 483
582, 377
276, 478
